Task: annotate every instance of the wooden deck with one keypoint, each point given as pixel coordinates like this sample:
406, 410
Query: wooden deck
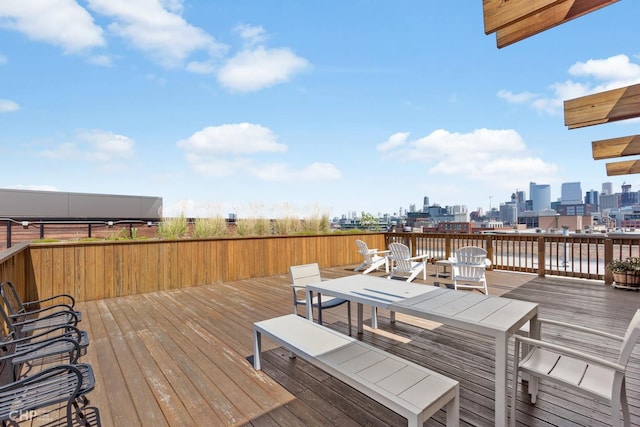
182, 358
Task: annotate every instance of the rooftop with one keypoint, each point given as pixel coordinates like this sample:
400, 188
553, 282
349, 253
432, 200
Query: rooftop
183, 357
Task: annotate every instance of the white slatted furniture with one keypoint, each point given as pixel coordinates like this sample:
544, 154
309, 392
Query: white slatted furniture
496, 317
406, 388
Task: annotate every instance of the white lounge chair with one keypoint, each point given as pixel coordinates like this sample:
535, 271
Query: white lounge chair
373, 258
597, 378
404, 265
468, 268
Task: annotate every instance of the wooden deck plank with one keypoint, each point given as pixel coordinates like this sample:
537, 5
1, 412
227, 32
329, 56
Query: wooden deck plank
183, 356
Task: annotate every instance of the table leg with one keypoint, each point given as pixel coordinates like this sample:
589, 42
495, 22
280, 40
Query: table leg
374, 317
257, 349
360, 318
501, 380
319, 308
309, 305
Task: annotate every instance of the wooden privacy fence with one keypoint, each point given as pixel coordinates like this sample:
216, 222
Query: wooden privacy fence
96, 270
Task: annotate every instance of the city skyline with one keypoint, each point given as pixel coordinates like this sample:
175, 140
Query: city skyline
254, 108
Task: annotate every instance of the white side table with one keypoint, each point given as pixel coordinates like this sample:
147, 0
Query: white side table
444, 263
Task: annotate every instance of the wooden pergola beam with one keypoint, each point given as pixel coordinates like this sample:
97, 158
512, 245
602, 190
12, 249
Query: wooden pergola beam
549, 14
623, 168
616, 147
603, 107
501, 13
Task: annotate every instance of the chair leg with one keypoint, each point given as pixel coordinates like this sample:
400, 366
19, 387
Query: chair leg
624, 406
514, 387
533, 388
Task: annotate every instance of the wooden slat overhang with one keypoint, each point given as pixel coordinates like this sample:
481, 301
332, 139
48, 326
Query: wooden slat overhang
603, 107
515, 20
616, 147
623, 168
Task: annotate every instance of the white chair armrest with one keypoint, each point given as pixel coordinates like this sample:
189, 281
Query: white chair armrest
377, 252
581, 329
487, 262
570, 352
418, 257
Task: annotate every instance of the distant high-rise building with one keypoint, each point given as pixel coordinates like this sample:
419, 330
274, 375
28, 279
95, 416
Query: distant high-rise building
509, 212
425, 204
540, 196
457, 209
571, 193
412, 207
607, 188
609, 201
592, 198
628, 197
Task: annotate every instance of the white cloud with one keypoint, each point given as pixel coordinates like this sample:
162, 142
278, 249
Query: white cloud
252, 35
240, 138
34, 187
496, 156
7, 106
94, 146
236, 149
396, 140
516, 98
161, 33
597, 75
259, 68
62, 23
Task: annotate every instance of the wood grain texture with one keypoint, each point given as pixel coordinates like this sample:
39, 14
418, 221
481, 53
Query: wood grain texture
603, 107
623, 168
501, 13
616, 147
180, 357
544, 18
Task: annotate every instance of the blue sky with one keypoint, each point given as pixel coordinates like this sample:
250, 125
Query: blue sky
270, 108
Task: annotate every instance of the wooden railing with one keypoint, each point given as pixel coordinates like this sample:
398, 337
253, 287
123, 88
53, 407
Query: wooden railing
96, 270
572, 256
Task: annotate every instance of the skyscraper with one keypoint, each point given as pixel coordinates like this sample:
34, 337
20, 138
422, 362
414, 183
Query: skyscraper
425, 204
540, 196
607, 188
592, 197
571, 193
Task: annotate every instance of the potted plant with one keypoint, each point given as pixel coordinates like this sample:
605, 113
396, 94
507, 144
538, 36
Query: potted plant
626, 273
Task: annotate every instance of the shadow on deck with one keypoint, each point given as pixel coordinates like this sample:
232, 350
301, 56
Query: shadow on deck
183, 357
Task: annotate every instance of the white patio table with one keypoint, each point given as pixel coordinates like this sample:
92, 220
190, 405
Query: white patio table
493, 316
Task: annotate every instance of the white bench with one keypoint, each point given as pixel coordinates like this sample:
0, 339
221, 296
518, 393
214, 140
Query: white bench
406, 388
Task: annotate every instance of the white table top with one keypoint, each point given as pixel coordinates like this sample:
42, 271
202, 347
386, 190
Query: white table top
483, 314
370, 290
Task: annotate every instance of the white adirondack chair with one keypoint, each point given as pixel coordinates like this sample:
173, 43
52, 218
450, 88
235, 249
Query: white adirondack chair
373, 258
404, 265
595, 377
468, 268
